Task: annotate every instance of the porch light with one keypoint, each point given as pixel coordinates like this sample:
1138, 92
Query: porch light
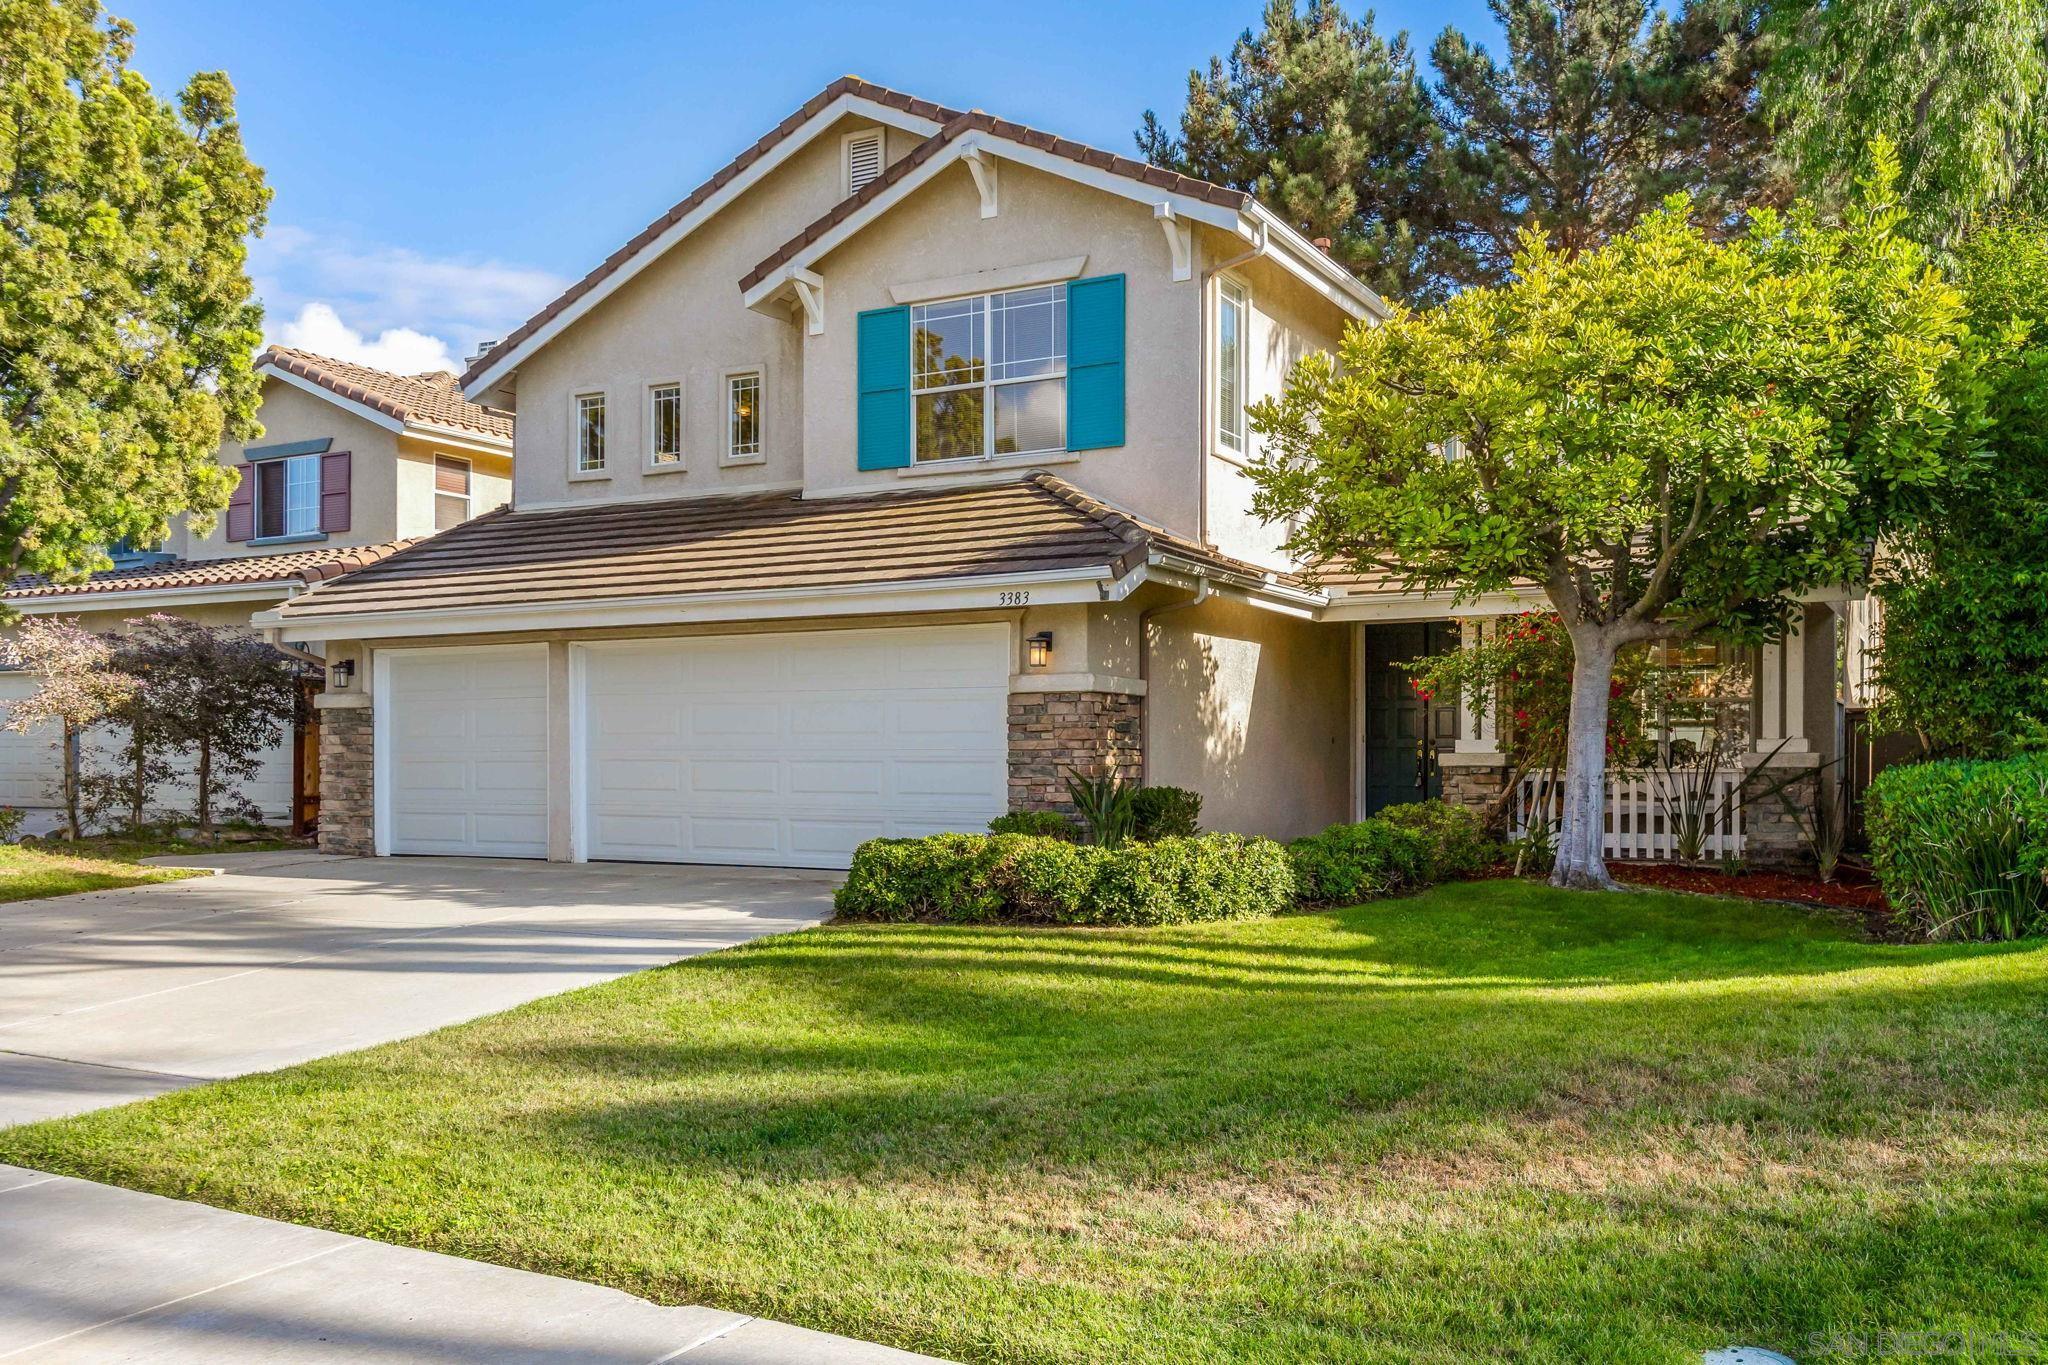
343, 672
1039, 648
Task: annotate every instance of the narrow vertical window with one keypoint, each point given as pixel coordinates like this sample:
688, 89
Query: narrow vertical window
451, 491
743, 416
665, 424
1230, 365
589, 433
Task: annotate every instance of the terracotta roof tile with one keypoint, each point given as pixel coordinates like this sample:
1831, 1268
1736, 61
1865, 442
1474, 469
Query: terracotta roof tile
303, 566
430, 399
751, 543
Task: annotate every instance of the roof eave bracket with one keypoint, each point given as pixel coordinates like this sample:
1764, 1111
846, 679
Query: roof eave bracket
1179, 240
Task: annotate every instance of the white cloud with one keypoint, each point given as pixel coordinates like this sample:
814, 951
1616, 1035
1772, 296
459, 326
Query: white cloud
398, 349
388, 306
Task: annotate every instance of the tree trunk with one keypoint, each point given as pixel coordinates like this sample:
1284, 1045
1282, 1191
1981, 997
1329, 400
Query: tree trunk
205, 789
137, 798
71, 780
1580, 862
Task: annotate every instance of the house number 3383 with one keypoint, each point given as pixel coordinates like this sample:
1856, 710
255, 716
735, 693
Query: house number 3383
1012, 599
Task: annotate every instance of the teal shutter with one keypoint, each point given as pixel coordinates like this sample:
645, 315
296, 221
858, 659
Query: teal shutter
883, 369
1095, 363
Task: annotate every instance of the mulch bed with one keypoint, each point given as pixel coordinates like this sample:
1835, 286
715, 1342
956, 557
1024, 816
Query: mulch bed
1849, 892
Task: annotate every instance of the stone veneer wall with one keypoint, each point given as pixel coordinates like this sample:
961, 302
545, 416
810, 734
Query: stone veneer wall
1094, 733
346, 804
1474, 787
1771, 837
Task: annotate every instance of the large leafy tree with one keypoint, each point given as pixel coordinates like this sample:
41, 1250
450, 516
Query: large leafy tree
127, 329
1596, 112
1964, 662
1673, 435
1960, 87
1326, 122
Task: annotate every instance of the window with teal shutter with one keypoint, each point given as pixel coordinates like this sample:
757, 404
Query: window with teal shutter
1095, 363
883, 368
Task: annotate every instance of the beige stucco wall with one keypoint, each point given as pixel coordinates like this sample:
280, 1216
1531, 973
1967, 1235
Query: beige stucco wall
1251, 709
490, 483
681, 320
939, 231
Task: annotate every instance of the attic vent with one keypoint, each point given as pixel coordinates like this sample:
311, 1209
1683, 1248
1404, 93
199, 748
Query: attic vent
863, 159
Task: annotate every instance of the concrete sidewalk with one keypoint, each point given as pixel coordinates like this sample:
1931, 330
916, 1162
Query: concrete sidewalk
93, 1273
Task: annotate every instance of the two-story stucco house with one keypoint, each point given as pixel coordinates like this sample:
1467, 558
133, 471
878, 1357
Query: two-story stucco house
893, 473
354, 462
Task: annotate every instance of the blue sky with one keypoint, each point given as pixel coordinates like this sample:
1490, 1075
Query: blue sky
441, 169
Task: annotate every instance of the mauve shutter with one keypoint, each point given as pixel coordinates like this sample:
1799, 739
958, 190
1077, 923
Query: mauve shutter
242, 506
334, 491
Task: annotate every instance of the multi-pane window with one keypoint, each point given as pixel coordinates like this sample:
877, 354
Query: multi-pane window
451, 491
743, 415
665, 424
990, 374
288, 496
1230, 364
589, 433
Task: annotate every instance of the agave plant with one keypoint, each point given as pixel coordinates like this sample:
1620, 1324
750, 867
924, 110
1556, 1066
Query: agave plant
1106, 805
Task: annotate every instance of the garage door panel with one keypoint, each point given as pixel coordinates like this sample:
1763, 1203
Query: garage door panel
468, 744
852, 735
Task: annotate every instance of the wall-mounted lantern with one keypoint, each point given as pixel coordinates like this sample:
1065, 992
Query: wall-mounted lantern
342, 672
1038, 649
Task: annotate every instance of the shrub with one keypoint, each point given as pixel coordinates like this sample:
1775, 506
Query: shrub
1165, 813
983, 877
10, 823
1045, 824
1346, 864
1105, 806
1457, 843
1961, 848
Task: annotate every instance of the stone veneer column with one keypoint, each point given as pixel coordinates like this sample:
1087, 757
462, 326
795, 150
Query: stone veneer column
1771, 836
347, 805
1093, 733
1472, 779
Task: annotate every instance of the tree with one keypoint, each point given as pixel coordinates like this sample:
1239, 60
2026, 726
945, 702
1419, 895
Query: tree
1959, 87
219, 693
127, 330
1599, 111
80, 687
1326, 122
1672, 435
1964, 656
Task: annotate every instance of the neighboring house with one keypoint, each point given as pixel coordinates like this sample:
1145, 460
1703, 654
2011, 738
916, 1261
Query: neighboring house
353, 462
888, 477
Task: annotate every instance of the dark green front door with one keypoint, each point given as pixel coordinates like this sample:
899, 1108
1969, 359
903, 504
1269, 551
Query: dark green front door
1402, 731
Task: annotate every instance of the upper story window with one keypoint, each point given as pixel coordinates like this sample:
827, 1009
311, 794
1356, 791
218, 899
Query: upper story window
589, 433
990, 374
288, 497
664, 425
743, 415
863, 158
1232, 315
451, 491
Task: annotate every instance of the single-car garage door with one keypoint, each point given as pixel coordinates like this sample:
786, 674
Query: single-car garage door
789, 750
464, 733
31, 765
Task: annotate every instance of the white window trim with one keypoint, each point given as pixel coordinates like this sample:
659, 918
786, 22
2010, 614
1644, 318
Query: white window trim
577, 473
725, 378
682, 460
468, 498
1217, 446
286, 534
988, 455
846, 142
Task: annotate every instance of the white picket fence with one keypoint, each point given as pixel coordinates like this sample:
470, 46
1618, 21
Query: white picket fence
1638, 823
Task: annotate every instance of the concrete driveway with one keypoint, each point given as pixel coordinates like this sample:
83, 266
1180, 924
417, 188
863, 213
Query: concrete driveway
289, 956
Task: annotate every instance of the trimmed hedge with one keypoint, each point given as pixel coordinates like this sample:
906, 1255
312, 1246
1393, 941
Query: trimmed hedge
1400, 849
970, 878
1047, 824
1961, 847
1165, 813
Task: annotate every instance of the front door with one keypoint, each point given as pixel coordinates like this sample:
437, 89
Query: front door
1403, 731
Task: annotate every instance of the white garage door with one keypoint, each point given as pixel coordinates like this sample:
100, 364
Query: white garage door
464, 734
789, 750
31, 765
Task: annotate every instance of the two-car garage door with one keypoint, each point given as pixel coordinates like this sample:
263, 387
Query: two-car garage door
776, 749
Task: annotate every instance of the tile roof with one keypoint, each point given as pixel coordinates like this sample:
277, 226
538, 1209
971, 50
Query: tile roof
308, 566
432, 399
975, 121
751, 543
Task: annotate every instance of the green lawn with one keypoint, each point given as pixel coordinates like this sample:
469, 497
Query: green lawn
29, 873
1494, 1121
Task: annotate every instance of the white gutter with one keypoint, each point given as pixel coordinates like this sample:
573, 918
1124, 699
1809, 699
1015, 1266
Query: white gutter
108, 599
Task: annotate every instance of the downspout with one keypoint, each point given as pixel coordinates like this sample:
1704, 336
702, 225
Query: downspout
1202, 379
1200, 595
274, 637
